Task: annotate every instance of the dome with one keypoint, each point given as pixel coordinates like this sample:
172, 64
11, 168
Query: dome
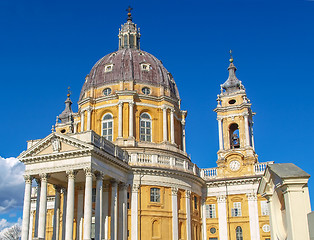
130, 64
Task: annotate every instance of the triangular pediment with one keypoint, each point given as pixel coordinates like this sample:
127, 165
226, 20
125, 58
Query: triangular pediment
53, 144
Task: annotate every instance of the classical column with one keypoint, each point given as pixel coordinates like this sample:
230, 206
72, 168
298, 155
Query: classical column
56, 214
253, 215
114, 210
120, 213
99, 206
82, 120
183, 136
221, 143
80, 206
125, 212
31, 220
70, 205
272, 220
175, 223
172, 125
106, 210
120, 119
246, 129
188, 214
26, 207
75, 127
89, 116
37, 208
134, 212
252, 138
204, 218
164, 124
64, 210
88, 203
42, 207
131, 119
222, 217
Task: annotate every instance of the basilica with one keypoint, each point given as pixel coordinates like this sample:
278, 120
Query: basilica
118, 168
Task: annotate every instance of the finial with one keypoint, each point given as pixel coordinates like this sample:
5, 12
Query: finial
231, 58
69, 92
53, 128
129, 9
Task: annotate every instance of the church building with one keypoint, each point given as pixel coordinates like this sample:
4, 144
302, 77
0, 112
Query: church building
118, 168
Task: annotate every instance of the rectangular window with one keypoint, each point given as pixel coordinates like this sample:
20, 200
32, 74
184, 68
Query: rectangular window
195, 202
264, 208
211, 211
236, 210
155, 195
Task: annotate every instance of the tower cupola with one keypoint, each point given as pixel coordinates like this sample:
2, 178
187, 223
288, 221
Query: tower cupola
233, 84
129, 34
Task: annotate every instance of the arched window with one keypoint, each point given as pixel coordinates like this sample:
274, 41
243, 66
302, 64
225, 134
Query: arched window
234, 136
145, 127
155, 229
239, 235
107, 127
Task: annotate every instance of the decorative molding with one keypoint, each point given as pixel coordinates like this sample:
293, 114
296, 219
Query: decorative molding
88, 172
221, 199
71, 174
28, 179
188, 194
135, 187
252, 196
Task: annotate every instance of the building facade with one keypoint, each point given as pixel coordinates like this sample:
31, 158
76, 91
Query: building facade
118, 168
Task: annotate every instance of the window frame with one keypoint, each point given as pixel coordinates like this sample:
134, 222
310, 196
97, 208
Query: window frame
112, 127
155, 195
236, 211
211, 210
264, 208
145, 135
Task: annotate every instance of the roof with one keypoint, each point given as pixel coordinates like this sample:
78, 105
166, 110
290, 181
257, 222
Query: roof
287, 170
126, 66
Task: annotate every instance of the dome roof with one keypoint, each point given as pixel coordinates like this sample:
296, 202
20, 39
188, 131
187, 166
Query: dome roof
126, 65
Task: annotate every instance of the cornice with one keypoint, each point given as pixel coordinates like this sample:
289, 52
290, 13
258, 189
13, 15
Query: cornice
233, 108
233, 181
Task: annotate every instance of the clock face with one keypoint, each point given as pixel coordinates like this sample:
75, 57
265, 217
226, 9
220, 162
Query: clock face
234, 165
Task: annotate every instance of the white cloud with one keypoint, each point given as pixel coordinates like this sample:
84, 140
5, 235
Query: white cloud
11, 184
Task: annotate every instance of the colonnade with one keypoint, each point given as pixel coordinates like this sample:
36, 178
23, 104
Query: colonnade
131, 123
84, 196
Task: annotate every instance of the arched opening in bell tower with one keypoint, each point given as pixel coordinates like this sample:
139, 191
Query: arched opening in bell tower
234, 136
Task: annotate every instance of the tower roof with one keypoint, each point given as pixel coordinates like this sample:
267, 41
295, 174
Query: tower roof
233, 84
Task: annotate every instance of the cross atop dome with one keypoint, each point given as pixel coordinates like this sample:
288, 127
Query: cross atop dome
129, 9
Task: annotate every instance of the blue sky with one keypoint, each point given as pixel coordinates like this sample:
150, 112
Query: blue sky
46, 46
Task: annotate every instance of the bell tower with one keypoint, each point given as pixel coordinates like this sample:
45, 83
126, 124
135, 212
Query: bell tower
235, 126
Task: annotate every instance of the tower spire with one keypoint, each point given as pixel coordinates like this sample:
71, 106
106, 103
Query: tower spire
129, 34
232, 84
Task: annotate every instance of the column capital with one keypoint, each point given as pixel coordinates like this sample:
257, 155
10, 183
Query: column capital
131, 104
220, 118
123, 186
135, 187
188, 194
99, 176
114, 183
71, 174
89, 109
57, 188
82, 111
44, 176
172, 110
28, 178
221, 199
120, 104
252, 196
106, 187
88, 172
174, 191
164, 107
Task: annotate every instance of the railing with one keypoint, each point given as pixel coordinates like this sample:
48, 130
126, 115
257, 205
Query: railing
163, 161
259, 168
209, 172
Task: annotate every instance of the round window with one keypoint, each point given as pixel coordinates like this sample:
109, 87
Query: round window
212, 230
232, 101
107, 91
266, 228
146, 90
